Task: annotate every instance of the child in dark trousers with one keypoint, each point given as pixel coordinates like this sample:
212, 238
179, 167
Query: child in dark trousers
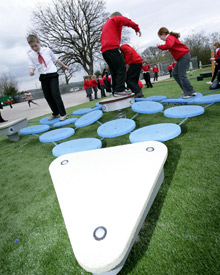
180, 53
110, 44
146, 74
101, 86
87, 87
134, 60
44, 60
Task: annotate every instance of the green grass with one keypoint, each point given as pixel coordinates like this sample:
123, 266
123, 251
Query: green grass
181, 234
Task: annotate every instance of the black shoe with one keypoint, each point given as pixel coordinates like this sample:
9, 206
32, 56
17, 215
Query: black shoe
139, 95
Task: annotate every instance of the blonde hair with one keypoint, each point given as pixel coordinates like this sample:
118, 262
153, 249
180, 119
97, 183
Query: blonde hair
32, 38
165, 31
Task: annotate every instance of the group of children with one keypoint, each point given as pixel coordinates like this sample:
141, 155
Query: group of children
92, 84
125, 65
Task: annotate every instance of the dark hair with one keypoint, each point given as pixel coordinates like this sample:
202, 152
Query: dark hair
116, 13
164, 30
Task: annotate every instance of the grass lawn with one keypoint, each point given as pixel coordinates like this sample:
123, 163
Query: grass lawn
181, 234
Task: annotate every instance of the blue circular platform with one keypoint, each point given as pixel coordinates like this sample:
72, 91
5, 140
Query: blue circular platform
157, 132
174, 101
65, 122
116, 128
88, 119
56, 135
45, 121
147, 107
208, 99
76, 145
35, 129
152, 98
81, 112
184, 111
99, 107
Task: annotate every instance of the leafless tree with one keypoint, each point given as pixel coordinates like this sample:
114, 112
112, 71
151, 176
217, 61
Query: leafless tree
8, 84
72, 29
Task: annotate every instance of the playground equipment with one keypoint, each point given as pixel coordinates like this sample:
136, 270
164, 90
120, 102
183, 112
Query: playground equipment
104, 213
11, 128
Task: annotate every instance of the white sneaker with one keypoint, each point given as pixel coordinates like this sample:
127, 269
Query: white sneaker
187, 96
210, 82
62, 118
52, 117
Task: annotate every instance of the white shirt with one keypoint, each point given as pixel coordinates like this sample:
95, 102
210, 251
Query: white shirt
49, 58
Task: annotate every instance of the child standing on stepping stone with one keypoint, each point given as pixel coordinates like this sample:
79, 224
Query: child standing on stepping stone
180, 53
134, 61
43, 59
110, 44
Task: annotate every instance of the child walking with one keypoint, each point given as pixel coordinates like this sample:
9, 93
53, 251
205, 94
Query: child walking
134, 60
110, 44
43, 59
87, 87
180, 53
28, 97
146, 74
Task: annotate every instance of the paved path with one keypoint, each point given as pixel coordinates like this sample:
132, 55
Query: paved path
23, 110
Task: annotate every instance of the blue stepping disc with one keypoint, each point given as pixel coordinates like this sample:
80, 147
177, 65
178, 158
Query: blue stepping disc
97, 107
35, 129
76, 145
157, 132
156, 97
98, 104
116, 128
147, 107
81, 112
208, 99
174, 101
65, 122
184, 111
88, 119
45, 121
56, 135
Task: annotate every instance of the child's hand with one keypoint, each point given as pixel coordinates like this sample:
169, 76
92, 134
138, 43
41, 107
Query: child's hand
31, 71
138, 33
66, 67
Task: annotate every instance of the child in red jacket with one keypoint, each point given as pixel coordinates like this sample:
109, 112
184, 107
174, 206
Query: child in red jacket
146, 74
94, 84
110, 44
170, 69
180, 53
87, 87
155, 72
101, 86
134, 60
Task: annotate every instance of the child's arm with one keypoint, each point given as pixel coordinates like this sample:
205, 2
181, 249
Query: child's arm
62, 64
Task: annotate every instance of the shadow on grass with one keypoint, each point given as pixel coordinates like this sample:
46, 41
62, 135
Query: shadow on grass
144, 238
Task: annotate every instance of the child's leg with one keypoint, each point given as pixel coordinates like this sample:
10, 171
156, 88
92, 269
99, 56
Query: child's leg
45, 84
133, 77
54, 84
179, 74
117, 68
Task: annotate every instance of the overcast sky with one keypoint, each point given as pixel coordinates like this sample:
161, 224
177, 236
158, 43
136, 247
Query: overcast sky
186, 17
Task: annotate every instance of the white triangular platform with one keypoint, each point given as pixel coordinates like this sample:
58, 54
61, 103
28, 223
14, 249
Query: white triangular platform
104, 196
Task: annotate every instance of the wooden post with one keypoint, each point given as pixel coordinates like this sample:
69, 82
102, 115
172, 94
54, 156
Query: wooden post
213, 63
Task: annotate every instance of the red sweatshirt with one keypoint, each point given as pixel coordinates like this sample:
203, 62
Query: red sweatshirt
140, 84
217, 54
146, 68
170, 67
101, 82
130, 55
94, 83
111, 32
176, 48
155, 69
86, 84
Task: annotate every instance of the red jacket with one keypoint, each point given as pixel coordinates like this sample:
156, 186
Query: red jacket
176, 48
130, 55
86, 84
101, 81
170, 67
111, 32
155, 69
146, 68
94, 83
174, 64
217, 54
